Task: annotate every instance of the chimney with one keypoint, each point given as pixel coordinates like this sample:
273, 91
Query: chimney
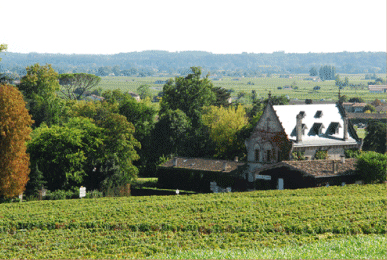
174, 162
299, 128
342, 159
236, 159
345, 137
224, 166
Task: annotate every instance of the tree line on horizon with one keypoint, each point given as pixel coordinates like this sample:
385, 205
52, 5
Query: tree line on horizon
151, 63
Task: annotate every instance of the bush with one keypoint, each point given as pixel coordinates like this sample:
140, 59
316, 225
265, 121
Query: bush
61, 195
352, 153
371, 167
321, 155
298, 156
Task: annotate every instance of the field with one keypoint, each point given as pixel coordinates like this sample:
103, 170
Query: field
262, 85
328, 222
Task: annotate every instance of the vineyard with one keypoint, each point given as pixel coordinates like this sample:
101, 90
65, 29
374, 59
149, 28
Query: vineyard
139, 227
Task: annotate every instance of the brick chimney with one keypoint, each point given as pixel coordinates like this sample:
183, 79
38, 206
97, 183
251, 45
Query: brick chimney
299, 128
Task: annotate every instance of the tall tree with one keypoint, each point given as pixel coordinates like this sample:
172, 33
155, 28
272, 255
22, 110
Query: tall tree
224, 124
188, 94
313, 71
74, 85
15, 130
375, 139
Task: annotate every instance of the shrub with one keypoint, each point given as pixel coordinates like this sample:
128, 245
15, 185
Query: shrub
298, 156
371, 167
321, 155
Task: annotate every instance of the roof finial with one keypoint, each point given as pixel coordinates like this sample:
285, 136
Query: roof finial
269, 95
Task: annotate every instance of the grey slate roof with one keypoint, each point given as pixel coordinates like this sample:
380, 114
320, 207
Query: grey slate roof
203, 164
330, 113
315, 168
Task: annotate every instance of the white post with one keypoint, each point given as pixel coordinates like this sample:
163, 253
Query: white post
280, 185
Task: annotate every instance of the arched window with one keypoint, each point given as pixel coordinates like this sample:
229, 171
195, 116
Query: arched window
256, 155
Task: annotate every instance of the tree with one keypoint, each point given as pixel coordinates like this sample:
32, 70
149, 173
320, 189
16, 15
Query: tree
313, 72
327, 72
40, 80
308, 101
375, 139
39, 88
15, 130
343, 98
119, 144
64, 153
371, 166
370, 108
224, 124
144, 91
356, 100
116, 70
222, 96
3, 47
74, 85
188, 94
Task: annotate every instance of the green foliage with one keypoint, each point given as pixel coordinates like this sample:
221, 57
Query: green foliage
321, 155
370, 108
77, 82
63, 153
352, 153
188, 94
224, 124
222, 96
132, 227
356, 100
375, 139
372, 167
298, 156
36, 181
144, 91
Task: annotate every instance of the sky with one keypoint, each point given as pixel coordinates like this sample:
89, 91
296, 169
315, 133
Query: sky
252, 26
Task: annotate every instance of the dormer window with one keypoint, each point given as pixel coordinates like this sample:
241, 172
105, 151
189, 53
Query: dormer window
319, 114
317, 128
334, 128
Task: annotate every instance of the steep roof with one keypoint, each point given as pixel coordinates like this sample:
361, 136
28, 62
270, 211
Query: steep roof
201, 164
320, 116
315, 168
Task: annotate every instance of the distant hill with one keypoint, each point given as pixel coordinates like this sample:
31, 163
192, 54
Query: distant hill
156, 62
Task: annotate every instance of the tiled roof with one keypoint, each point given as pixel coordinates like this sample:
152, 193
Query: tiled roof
315, 168
203, 164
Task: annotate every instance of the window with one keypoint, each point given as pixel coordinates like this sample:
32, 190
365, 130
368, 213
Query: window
256, 155
268, 155
319, 114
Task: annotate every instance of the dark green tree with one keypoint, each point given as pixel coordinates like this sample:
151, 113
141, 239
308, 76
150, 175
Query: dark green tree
371, 167
222, 96
36, 182
189, 94
356, 100
375, 139
144, 91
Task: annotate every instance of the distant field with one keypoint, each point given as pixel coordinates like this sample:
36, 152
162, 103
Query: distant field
350, 221
261, 84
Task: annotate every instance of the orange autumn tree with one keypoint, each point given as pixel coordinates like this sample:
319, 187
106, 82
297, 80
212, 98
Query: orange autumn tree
15, 129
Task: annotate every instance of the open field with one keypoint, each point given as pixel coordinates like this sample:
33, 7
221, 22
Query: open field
261, 222
261, 84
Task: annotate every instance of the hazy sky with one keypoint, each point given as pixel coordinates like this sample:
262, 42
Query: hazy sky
108, 27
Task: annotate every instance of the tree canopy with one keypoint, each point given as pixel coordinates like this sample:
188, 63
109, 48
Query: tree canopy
15, 129
375, 139
74, 85
188, 94
372, 166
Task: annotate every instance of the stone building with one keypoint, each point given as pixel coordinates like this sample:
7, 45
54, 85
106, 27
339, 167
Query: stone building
307, 129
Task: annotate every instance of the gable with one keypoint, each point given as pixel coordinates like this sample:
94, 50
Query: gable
269, 121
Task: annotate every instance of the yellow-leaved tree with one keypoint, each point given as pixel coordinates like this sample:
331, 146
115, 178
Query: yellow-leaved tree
15, 129
224, 124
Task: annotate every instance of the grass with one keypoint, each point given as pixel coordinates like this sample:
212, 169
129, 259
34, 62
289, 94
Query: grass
350, 247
